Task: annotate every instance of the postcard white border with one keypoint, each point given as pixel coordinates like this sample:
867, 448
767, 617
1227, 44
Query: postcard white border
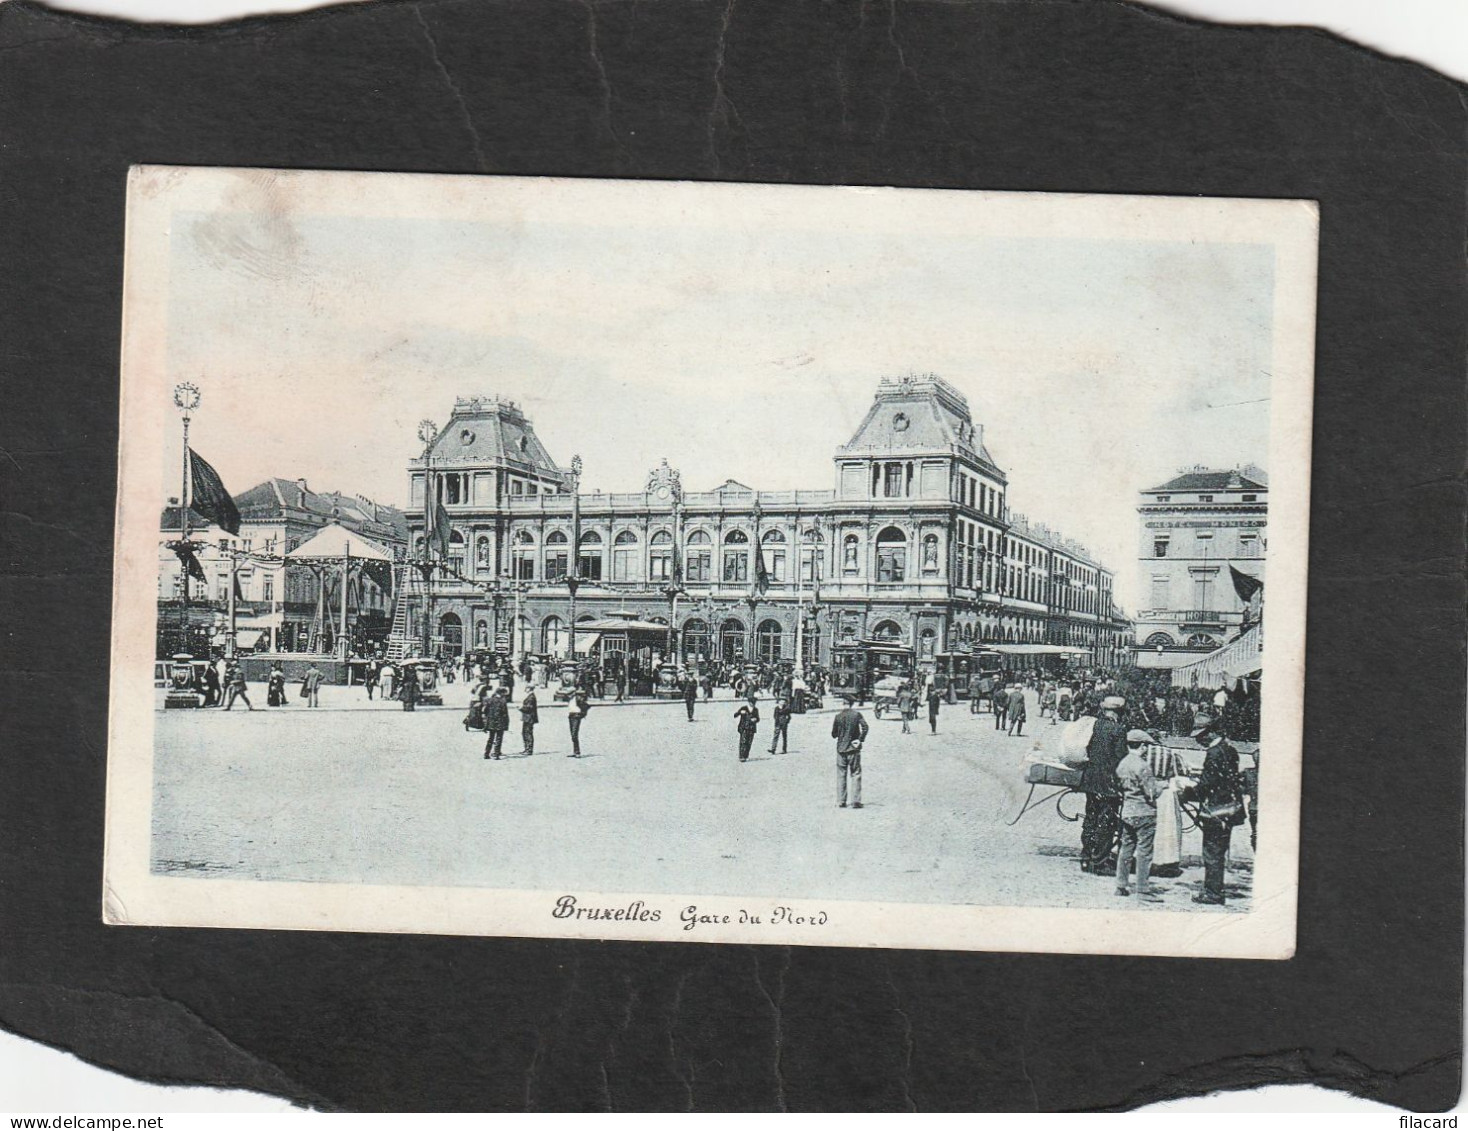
134, 896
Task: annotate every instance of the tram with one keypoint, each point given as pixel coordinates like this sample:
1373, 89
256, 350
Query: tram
961, 675
856, 668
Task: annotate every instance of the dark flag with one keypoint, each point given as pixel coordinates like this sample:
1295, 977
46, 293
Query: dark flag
190, 563
677, 579
380, 574
238, 592
210, 499
1245, 585
761, 575
438, 536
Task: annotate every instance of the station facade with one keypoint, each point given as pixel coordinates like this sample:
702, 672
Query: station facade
915, 544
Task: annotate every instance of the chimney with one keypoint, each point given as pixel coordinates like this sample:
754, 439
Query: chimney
301, 487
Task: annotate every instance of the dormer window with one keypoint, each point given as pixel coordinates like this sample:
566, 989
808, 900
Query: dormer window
900, 422
466, 437
1205, 498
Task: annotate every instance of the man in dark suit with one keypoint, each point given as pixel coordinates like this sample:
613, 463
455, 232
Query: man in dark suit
529, 716
1102, 788
849, 730
1218, 786
496, 722
690, 694
781, 737
748, 716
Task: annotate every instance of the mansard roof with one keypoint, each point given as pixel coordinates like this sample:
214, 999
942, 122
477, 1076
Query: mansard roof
1205, 479
918, 414
493, 432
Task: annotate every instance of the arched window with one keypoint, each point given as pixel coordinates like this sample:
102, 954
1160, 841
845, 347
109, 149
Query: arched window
553, 636
660, 557
526, 634
557, 555
767, 641
1200, 640
1159, 640
451, 634
812, 556
888, 632
456, 551
891, 555
522, 556
773, 542
851, 555
930, 555
588, 566
696, 642
482, 564
736, 557
699, 560
417, 545
624, 557
731, 640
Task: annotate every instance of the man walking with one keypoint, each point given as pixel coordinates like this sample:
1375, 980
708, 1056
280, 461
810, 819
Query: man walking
907, 705
575, 712
748, 716
1016, 710
1104, 753
529, 716
496, 722
234, 681
999, 704
690, 694
849, 730
1139, 793
312, 685
935, 699
781, 737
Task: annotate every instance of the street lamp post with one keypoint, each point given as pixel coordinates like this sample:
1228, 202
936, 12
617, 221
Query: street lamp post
427, 432
186, 398
675, 582
573, 575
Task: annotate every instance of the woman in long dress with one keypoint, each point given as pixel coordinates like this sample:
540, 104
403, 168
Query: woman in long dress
1167, 847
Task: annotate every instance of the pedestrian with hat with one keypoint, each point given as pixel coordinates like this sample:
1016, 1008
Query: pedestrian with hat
1139, 793
849, 730
1220, 804
1104, 752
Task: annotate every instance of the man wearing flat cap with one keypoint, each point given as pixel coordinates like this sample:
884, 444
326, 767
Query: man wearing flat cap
1220, 804
1102, 789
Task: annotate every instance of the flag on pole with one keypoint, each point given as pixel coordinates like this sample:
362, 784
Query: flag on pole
761, 575
238, 592
1245, 585
439, 535
210, 499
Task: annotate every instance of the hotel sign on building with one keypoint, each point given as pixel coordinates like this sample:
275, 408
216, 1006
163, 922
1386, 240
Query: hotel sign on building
1193, 530
914, 545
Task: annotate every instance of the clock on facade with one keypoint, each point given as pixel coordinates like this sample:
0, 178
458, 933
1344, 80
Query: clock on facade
900, 422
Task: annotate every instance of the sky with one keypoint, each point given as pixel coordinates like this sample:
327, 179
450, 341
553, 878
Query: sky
743, 350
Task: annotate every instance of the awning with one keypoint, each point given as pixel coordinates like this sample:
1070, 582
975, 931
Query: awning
586, 641
1035, 650
247, 637
333, 542
616, 624
1241, 656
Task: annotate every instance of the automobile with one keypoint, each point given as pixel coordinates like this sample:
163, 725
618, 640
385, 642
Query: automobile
884, 694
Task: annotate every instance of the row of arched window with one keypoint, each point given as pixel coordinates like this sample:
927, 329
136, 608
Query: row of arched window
733, 565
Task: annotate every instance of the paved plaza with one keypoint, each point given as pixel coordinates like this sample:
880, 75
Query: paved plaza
366, 793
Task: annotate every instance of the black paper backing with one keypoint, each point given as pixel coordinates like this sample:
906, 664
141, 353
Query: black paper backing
1068, 96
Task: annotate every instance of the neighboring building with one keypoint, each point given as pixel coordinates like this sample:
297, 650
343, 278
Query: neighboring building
1193, 528
914, 545
277, 604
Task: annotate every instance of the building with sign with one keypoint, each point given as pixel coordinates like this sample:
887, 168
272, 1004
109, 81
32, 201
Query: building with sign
914, 544
1194, 529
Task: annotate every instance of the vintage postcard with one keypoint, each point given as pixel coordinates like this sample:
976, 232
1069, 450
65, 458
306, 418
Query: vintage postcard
835, 566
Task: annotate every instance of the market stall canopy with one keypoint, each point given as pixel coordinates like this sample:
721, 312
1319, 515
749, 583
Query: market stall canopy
585, 641
1240, 657
248, 637
1036, 650
332, 543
